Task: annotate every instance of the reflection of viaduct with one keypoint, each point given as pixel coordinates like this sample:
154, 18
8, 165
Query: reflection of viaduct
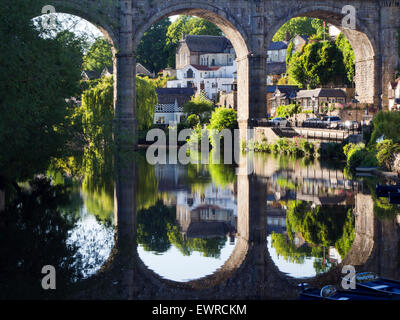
249, 273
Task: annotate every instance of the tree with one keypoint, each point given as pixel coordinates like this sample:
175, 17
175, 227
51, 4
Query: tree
304, 26
199, 105
223, 118
153, 51
99, 56
153, 226
38, 74
191, 26
318, 63
34, 233
348, 56
146, 100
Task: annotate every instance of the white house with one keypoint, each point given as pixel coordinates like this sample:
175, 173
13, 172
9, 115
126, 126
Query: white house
169, 110
207, 79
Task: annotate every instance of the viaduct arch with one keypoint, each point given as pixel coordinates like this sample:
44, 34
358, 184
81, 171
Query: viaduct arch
250, 25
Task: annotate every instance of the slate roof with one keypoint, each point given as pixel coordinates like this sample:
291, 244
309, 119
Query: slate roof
276, 68
321, 92
277, 45
208, 44
168, 96
272, 89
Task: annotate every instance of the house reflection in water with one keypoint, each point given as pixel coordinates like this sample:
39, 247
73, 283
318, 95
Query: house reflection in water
211, 214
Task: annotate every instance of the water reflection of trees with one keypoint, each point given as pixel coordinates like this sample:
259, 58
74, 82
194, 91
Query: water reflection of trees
158, 230
320, 227
33, 233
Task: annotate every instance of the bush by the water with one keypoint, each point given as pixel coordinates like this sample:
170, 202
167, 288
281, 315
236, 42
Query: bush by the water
295, 147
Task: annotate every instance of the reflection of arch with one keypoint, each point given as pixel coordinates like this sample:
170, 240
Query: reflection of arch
362, 40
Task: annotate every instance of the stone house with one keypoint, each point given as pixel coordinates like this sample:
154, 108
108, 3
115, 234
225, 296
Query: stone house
276, 61
280, 95
298, 42
208, 79
313, 100
169, 110
394, 95
204, 50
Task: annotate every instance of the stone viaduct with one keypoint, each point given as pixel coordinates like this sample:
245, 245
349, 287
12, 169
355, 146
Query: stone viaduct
250, 25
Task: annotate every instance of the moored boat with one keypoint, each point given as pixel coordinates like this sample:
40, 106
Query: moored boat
384, 190
371, 282
331, 292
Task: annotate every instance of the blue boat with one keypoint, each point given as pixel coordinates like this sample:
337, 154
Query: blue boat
370, 282
384, 190
331, 292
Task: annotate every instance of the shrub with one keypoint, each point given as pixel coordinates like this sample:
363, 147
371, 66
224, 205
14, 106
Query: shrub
386, 151
193, 120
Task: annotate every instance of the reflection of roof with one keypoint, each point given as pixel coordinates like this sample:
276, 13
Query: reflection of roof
210, 229
208, 44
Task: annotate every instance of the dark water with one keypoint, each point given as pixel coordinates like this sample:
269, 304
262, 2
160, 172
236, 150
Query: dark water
187, 218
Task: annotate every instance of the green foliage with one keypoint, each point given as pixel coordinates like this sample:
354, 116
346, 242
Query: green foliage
146, 100
199, 105
222, 175
190, 26
386, 153
210, 247
358, 155
344, 243
386, 125
299, 26
332, 150
223, 118
153, 225
348, 56
317, 64
288, 111
153, 52
193, 120
322, 225
286, 249
33, 233
99, 56
37, 75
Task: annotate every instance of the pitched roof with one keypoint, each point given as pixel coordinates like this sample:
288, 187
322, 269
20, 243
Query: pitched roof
277, 45
321, 92
282, 88
140, 69
276, 68
168, 96
208, 44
